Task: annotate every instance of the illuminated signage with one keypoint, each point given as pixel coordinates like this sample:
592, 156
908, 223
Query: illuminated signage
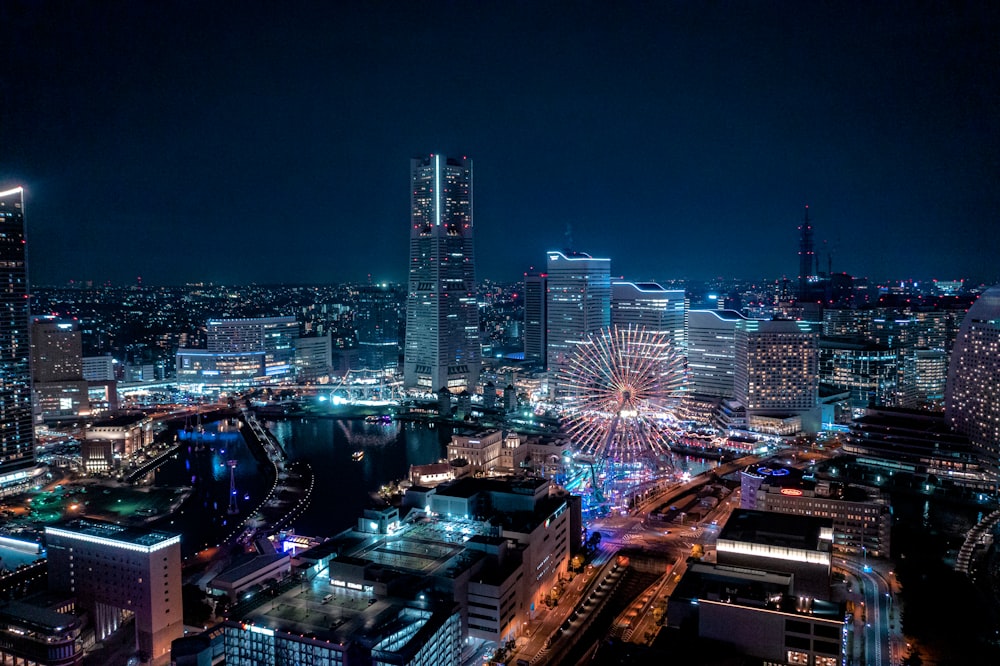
794, 492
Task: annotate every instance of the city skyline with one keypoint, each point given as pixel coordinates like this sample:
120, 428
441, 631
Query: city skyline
252, 145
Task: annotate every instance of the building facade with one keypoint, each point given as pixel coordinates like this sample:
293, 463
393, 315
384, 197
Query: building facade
313, 358
241, 351
481, 449
971, 404
59, 388
535, 331
866, 369
578, 303
442, 348
377, 322
777, 369
647, 305
922, 444
17, 442
117, 573
711, 352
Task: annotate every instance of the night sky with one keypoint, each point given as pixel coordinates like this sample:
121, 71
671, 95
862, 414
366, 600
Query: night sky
270, 141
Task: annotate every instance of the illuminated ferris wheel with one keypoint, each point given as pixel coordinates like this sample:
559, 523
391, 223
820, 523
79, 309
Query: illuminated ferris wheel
621, 388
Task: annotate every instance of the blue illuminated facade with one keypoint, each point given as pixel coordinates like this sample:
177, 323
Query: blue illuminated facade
240, 351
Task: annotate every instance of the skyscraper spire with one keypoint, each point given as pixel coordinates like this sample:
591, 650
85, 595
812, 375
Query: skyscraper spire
807, 257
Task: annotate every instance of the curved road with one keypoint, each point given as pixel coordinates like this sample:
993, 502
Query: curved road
878, 627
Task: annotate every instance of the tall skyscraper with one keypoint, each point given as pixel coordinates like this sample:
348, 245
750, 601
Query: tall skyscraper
712, 351
647, 305
578, 303
442, 348
971, 404
807, 259
17, 447
535, 286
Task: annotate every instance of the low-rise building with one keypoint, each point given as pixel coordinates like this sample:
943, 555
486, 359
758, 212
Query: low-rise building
259, 570
861, 516
480, 447
919, 443
38, 636
495, 546
107, 441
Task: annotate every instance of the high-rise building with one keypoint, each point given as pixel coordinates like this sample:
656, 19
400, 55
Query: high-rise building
535, 286
777, 374
56, 350
59, 388
116, 573
897, 331
442, 347
807, 260
711, 347
866, 369
647, 305
931, 367
578, 303
377, 322
17, 446
971, 404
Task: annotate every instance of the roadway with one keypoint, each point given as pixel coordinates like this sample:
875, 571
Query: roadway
877, 621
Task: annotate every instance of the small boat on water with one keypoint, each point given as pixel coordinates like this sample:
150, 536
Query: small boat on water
358, 456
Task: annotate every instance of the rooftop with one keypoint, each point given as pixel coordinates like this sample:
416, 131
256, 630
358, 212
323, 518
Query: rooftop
774, 529
43, 620
119, 420
110, 534
241, 571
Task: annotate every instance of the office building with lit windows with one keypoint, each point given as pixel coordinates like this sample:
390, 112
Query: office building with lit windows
777, 375
274, 336
117, 573
58, 385
647, 305
442, 344
860, 514
971, 404
578, 304
313, 358
922, 444
17, 442
866, 369
931, 379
